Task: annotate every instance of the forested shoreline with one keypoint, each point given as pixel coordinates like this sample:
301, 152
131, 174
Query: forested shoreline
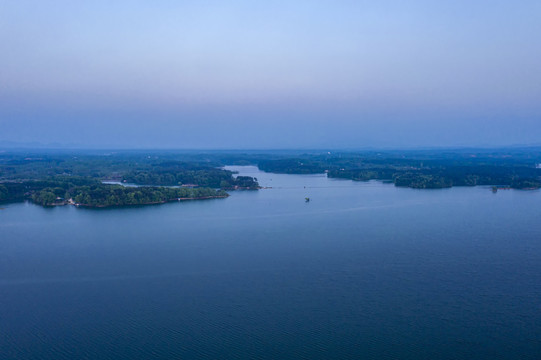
421, 170
50, 179
56, 178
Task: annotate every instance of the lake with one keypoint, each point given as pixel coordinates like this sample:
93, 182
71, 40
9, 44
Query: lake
364, 270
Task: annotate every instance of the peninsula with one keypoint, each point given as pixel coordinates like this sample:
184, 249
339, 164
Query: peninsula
52, 179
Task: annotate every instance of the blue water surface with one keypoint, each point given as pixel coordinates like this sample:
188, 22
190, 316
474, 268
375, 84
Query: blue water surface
364, 270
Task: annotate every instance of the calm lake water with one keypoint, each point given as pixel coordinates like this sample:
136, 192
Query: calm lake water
364, 270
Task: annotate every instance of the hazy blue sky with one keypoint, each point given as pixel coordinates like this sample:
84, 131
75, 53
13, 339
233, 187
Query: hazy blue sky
270, 74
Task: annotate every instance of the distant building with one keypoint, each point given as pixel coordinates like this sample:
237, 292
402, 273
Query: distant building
59, 201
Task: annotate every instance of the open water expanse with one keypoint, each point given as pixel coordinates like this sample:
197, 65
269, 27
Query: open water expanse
364, 270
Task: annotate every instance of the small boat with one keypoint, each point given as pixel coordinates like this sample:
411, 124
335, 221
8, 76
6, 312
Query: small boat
307, 199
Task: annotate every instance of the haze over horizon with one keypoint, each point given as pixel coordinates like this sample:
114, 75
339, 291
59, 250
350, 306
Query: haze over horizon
308, 74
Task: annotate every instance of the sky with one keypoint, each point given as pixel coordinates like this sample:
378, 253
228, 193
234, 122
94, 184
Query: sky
270, 74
